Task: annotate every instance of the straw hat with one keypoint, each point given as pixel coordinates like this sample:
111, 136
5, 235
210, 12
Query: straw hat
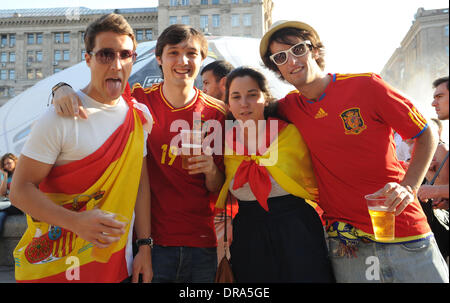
264, 44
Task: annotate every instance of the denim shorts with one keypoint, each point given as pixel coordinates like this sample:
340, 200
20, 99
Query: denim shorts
413, 262
181, 264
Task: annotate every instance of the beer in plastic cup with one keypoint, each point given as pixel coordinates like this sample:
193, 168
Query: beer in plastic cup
383, 221
191, 146
103, 255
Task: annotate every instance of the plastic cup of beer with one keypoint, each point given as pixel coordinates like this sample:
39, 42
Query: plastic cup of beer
383, 221
103, 255
191, 146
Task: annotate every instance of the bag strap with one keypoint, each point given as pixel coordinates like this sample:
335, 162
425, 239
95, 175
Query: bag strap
225, 234
439, 170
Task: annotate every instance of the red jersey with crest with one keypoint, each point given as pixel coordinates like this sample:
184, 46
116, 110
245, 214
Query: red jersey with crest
349, 131
182, 214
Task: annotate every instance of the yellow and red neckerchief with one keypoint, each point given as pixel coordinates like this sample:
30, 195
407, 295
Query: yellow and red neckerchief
286, 159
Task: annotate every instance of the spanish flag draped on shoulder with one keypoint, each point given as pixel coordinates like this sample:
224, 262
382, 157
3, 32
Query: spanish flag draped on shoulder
107, 179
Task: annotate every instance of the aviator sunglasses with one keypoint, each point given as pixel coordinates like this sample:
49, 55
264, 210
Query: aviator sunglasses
108, 55
297, 50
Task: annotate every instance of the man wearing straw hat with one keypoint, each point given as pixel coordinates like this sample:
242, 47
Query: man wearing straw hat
348, 122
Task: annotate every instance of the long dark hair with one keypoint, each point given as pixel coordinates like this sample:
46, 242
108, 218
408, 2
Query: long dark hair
271, 109
2, 164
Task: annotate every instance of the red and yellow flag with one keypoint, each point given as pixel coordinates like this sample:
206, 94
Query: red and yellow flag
111, 176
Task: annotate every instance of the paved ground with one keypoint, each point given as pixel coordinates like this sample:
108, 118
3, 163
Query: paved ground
7, 274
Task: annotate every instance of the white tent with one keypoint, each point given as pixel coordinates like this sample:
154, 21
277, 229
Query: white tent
19, 113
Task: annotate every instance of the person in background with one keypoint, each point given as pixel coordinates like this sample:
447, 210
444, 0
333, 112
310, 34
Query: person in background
8, 164
277, 235
435, 197
440, 190
347, 122
7, 167
214, 76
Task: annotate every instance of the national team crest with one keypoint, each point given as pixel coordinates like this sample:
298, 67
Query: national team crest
353, 121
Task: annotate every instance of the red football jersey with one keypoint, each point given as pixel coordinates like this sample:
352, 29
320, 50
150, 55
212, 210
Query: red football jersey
182, 214
349, 131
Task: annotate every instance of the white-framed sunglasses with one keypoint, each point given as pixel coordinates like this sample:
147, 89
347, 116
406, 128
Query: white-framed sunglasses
297, 50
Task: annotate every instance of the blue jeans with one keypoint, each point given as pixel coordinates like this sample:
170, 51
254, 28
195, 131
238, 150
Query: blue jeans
414, 262
3, 215
181, 264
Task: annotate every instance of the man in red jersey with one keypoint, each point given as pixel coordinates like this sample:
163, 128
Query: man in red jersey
348, 122
182, 216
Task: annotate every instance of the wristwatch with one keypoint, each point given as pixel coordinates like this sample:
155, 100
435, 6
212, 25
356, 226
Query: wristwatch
54, 88
148, 241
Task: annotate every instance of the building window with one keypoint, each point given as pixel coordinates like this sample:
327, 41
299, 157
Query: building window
39, 38
3, 58
7, 91
215, 2
66, 37
12, 57
57, 56
446, 30
246, 1
66, 55
215, 20
30, 74
184, 2
57, 37
173, 2
30, 38
83, 52
234, 1
204, 2
3, 74
56, 70
39, 74
186, 20
139, 35
38, 56
12, 74
4, 40
82, 36
148, 34
12, 40
172, 20
247, 20
30, 56
234, 20
203, 22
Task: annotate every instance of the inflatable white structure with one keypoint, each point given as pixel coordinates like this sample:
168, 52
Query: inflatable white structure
18, 114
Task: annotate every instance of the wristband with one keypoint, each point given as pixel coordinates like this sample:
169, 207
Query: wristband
148, 241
